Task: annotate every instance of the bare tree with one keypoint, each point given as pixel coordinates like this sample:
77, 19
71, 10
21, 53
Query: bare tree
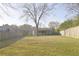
72, 7
4, 9
36, 12
53, 25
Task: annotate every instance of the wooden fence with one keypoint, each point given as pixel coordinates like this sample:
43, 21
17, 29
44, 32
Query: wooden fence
10, 35
71, 32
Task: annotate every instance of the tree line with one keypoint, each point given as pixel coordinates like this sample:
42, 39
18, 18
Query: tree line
69, 23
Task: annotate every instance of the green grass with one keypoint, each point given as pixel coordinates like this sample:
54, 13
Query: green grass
42, 46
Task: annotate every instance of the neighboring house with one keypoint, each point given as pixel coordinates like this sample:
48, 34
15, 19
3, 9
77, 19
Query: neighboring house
42, 31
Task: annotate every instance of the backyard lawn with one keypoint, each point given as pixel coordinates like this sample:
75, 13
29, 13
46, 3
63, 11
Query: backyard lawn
41, 46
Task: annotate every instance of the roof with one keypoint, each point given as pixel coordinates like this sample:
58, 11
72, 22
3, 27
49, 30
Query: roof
40, 29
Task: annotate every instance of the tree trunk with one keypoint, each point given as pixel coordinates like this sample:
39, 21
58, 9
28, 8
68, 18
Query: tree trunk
36, 29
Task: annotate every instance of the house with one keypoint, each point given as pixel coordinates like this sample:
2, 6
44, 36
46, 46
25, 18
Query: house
42, 31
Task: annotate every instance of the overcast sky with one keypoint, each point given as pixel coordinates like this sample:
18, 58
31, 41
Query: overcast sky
57, 15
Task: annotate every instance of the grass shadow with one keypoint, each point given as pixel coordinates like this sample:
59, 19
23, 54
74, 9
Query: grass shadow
7, 42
